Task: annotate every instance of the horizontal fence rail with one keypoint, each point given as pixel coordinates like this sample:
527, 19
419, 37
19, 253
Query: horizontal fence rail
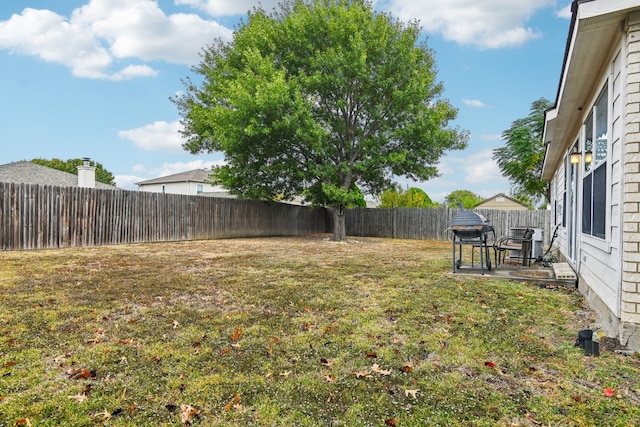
433, 224
39, 217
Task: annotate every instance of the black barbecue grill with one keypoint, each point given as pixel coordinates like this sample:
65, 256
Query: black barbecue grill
471, 228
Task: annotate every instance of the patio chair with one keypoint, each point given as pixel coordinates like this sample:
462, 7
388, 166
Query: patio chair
522, 244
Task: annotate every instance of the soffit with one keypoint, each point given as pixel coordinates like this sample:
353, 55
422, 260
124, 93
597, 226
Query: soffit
594, 38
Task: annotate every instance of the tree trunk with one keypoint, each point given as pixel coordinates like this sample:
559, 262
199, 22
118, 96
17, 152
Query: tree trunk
339, 224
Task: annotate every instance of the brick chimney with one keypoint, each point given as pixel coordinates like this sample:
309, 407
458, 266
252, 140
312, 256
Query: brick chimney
86, 174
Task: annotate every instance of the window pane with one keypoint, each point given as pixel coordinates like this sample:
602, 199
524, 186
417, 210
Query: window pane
599, 200
602, 116
588, 139
586, 204
564, 209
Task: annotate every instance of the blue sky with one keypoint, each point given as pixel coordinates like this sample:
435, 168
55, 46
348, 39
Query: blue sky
93, 78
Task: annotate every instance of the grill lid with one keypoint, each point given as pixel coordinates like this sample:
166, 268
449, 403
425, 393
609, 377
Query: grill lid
467, 218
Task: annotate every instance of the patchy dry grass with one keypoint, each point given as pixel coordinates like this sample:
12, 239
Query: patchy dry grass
293, 332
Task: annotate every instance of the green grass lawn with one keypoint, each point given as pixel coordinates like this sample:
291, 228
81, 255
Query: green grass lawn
294, 332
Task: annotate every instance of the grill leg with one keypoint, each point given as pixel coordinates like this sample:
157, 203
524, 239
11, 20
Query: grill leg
454, 254
487, 256
481, 257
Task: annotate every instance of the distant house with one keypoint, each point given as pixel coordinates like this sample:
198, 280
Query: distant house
502, 202
24, 172
193, 182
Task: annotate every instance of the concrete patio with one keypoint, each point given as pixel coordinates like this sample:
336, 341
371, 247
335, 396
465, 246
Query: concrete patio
552, 273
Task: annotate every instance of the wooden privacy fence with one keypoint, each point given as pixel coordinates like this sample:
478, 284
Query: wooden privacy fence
38, 217
432, 224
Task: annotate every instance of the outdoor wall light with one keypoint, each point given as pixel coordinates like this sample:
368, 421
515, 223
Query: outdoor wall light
575, 158
588, 156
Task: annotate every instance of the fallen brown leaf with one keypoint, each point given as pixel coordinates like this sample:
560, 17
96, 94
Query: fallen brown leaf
378, 370
407, 368
412, 393
106, 415
187, 412
532, 419
364, 373
80, 397
232, 403
237, 334
80, 374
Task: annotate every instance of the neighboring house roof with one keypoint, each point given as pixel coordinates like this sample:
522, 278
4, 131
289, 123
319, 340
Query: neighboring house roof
24, 172
196, 175
500, 199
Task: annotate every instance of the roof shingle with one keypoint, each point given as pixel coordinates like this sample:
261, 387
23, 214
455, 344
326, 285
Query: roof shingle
24, 172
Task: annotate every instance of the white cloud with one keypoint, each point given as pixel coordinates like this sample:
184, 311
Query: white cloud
444, 165
491, 137
102, 31
475, 171
51, 37
565, 12
95, 35
157, 136
474, 103
140, 29
228, 7
134, 71
127, 182
480, 168
487, 24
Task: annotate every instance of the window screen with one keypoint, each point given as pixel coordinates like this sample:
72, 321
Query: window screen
586, 204
594, 184
599, 200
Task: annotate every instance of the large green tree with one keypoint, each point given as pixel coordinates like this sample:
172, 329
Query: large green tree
468, 198
71, 166
414, 197
521, 158
322, 98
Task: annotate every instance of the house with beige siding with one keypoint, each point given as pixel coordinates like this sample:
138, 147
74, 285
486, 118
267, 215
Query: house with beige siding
501, 202
592, 161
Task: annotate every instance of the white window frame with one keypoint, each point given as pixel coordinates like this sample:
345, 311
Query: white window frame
599, 161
